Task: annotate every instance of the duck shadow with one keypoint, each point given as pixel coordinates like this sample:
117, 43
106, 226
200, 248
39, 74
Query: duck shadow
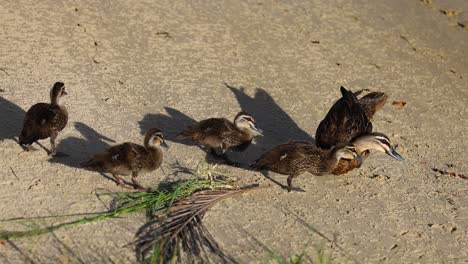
78, 149
277, 124
11, 120
171, 124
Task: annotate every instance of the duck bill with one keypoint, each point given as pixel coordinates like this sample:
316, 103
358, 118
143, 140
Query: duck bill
392, 153
164, 144
258, 130
359, 158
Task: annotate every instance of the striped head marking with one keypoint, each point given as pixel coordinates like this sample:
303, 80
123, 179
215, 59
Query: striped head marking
244, 120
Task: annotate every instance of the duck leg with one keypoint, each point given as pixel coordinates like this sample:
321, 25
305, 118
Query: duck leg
224, 157
290, 187
120, 182
53, 150
135, 181
290, 182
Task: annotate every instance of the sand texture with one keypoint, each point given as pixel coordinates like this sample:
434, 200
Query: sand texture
133, 65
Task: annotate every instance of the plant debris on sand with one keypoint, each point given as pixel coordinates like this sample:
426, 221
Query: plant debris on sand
174, 215
180, 229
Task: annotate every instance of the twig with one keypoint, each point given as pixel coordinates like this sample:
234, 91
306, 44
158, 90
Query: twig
14, 174
3, 70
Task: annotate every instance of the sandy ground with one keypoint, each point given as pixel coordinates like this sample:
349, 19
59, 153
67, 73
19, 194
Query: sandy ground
133, 65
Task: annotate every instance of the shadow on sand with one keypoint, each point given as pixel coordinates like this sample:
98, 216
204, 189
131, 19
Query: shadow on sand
79, 150
11, 120
277, 125
171, 124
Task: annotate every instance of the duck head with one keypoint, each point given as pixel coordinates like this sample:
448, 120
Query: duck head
246, 122
348, 152
57, 91
379, 142
155, 138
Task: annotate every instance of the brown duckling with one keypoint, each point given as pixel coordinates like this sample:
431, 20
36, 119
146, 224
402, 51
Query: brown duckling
296, 157
364, 144
129, 158
45, 120
222, 134
349, 119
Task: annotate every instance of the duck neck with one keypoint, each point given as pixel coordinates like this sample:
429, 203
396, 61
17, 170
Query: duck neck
248, 134
363, 146
55, 100
332, 160
149, 145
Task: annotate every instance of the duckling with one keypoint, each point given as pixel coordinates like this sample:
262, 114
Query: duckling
129, 158
45, 120
364, 144
296, 157
222, 134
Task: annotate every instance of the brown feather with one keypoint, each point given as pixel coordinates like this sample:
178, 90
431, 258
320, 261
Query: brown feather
217, 133
128, 158
294, 158
348, 119
345, 121
373, 102
42, 121
346, 165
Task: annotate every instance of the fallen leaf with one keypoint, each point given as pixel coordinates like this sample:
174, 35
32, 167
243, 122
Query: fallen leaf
463, 24
399, 104
2, 242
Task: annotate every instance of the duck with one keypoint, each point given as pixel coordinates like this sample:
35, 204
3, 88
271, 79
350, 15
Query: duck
349, 121
221, 135
130, 159
296, 157
45, 120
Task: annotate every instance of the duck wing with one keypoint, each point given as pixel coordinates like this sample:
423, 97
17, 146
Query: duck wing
127, 155
345, 120
281, 156
372, 102
36, 124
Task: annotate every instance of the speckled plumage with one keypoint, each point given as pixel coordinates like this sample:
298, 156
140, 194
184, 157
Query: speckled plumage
130, 158
296, 157
217, 133
348, 119
45, 120
220, 133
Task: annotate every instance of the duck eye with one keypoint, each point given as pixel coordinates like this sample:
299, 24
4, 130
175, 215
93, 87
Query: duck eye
249, 119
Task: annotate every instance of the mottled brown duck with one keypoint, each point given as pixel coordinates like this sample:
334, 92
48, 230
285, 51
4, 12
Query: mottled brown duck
297, 157
349, 119
44, 120
220, 134
129, 158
